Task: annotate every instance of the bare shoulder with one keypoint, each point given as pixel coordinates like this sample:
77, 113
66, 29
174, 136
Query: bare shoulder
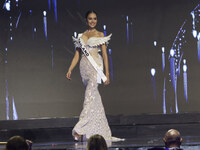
84, 33
101, 34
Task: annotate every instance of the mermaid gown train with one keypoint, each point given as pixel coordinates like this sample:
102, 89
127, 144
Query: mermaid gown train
92, 119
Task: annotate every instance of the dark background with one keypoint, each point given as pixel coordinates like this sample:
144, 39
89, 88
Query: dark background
42, 91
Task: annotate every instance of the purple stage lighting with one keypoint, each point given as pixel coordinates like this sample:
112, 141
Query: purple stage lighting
104, 29
164, 101
185, 79
163, 59
127, 29
55, 9
45, 23
15, 116
198, 46
153, 72
111, 64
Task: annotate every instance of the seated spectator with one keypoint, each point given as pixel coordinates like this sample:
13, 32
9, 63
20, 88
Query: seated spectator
96, 142
18, 143
172, 140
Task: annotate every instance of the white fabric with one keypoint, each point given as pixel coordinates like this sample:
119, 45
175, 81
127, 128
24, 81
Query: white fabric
93, 41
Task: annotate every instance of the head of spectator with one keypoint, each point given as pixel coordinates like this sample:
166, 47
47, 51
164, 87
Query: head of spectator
18, 143
172, 139
96, 142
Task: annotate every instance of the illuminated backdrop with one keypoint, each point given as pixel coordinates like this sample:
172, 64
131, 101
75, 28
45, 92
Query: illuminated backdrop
154, 56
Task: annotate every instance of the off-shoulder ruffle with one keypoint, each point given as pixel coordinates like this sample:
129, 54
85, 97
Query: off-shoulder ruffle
92, 42
97, 41
76, 42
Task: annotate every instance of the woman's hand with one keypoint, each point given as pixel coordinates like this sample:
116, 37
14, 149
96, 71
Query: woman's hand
68, 75
107, 81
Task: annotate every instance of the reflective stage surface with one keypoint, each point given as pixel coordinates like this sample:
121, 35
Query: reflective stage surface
189, 143
140, 131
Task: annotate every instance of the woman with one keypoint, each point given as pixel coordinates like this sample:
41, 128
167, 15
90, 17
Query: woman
92, 118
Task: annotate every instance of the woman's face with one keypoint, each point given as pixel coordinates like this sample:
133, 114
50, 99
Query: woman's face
92, 20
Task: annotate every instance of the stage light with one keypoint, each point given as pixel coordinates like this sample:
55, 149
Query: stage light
35, 29
75, 34
18, 20
155, 43
192, 13
193, 17
127, 18
127, 30
164, 96
109, 51
163, 49
173, 68
198, 36
163, 58
15, 116
153, 80
7, 5
153, 71
55, 9
44, 13
45, 23
49, 2
111, 64
104, 27
198, 46
17, 3
184, 65
172, 52
185, 79
194, 32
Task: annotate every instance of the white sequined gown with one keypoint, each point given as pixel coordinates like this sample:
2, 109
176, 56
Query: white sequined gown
92, 119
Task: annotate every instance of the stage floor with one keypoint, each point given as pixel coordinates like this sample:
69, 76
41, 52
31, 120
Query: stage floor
189, 143
140, 131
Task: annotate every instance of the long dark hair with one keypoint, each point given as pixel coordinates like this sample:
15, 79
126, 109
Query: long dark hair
89, 12
96, 142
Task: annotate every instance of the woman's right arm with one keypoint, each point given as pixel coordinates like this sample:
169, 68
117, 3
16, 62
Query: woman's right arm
73, 63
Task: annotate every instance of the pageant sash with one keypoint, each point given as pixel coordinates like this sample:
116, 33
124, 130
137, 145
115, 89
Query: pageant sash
91, 60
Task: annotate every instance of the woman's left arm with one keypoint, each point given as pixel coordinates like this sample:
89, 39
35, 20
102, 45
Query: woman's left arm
105, 59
